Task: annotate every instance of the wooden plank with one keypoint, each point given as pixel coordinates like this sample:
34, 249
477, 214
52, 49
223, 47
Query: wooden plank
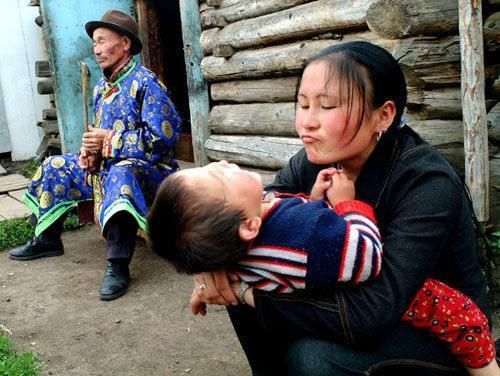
474, 109
11, 208
396, 19
315, 18
49, 114
42, 68
12, 182
49, 126
197, 86
45, 87
3, 171
18, 195
280, 89
245, 9
255, 151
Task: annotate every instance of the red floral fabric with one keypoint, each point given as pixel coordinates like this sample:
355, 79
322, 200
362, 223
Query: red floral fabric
454, 318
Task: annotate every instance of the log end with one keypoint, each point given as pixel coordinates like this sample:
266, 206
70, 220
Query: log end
387, 20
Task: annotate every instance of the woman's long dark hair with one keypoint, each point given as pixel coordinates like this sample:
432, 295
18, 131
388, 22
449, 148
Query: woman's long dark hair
368, 70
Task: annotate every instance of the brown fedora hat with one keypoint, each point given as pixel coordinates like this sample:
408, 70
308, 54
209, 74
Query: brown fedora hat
121, 23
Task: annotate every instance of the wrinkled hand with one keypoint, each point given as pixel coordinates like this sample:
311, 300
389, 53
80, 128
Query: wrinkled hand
342, 189
211, 288
93, 139
88, 161
322, 184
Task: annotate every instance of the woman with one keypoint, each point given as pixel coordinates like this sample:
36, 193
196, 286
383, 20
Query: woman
350, 102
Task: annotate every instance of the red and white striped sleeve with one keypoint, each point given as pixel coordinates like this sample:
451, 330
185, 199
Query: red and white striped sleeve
362, 252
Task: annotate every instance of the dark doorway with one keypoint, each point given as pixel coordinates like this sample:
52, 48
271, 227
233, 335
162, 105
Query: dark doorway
169, 30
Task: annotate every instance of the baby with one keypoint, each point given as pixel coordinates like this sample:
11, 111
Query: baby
212, 217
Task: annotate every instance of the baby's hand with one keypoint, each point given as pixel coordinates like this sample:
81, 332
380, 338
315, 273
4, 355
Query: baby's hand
322, 183
341, 189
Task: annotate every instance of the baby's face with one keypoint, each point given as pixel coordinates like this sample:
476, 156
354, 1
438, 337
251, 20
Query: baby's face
226, 181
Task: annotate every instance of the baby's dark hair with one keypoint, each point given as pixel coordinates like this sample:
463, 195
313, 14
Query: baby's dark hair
194, 233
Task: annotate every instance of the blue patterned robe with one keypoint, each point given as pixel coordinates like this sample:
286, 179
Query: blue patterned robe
136, 156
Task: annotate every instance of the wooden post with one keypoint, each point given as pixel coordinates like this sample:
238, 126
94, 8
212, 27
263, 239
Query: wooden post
197, 86
473, 104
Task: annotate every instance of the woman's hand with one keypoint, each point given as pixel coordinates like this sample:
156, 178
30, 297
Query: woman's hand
247, 297
212, 288
93, 139
322, 184
342, 189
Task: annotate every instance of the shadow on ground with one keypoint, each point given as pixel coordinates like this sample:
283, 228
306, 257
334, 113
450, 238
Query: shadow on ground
52, 307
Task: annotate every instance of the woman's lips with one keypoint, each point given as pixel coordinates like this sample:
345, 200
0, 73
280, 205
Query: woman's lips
308, 138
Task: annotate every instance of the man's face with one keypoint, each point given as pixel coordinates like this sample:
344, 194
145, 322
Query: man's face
110, 48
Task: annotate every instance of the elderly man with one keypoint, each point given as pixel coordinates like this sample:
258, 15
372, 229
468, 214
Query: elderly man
124, 156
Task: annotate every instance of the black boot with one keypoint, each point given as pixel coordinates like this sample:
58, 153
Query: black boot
37, 248
46, 245
115, 281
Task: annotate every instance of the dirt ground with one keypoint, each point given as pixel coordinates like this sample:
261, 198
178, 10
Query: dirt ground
52, 307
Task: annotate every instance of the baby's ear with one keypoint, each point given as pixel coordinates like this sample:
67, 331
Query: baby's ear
249, 228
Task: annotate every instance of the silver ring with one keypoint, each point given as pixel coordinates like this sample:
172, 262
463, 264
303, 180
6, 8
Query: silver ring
203, 286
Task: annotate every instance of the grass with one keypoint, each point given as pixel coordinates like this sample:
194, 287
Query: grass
15, 364
18, 231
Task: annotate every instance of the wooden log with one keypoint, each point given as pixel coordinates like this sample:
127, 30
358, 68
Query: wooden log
214, 3
49, 114
282, 60
197, 87
491, 34
207, 37
429, 61
495, 88
45, 87
280, 89
277, 119
274, 152
42, 68
49, 126
437, 132
493, 123
494, 185
317, 17
474, 110
255, 151
223, 50
244, 9
396, 19
270, 119
440, 103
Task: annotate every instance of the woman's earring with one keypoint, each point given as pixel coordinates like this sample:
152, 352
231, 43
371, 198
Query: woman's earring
380, 133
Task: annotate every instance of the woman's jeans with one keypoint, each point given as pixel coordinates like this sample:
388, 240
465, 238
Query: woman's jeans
405, 351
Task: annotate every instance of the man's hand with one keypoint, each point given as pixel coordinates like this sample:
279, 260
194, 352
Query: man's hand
322, 184
87, 161
93, 139
211, 288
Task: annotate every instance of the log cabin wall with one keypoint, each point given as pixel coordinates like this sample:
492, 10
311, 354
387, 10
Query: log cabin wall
254, 49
